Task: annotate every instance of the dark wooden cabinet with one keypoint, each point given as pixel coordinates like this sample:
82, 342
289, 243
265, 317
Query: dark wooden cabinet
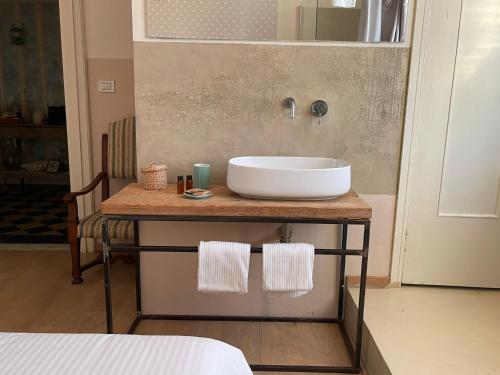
19, 132
33, 131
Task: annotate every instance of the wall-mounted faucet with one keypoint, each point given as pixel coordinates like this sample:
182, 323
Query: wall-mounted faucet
290, 103
319, 108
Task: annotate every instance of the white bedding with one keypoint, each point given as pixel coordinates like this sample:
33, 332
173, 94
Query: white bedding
82, 354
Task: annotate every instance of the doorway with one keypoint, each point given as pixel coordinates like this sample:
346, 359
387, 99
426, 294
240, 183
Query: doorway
448, 211
34, 163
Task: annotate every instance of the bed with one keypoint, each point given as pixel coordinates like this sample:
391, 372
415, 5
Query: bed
88, 354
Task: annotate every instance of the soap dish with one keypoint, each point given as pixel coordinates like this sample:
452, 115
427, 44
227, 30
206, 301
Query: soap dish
197, 194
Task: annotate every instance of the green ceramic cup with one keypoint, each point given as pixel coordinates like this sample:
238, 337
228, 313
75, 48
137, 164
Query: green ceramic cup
201, 175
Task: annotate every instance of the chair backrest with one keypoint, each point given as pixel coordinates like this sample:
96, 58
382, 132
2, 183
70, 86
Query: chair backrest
122, 159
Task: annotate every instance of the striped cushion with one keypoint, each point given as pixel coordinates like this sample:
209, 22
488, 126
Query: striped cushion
121, 149
91, 227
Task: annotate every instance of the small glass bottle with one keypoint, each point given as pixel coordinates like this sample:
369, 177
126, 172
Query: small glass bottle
180, 184
189, 182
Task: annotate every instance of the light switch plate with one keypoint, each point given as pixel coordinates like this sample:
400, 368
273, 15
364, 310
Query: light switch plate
106, 86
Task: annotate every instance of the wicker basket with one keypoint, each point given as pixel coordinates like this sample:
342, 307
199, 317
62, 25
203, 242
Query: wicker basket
154, 176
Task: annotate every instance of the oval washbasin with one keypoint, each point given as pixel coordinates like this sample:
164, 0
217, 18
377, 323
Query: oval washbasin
287, 177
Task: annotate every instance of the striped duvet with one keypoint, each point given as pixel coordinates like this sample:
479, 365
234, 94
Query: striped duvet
83, 354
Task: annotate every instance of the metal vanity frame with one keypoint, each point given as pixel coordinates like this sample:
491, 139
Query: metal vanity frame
343, 252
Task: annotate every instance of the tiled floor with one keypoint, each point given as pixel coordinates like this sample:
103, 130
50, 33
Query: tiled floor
434, 331
33, 214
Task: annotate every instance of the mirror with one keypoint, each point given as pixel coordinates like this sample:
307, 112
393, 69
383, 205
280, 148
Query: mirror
272, 20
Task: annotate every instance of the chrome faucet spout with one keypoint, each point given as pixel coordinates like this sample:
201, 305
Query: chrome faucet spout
290, 103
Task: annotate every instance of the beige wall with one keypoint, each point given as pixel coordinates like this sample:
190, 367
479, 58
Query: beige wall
204, 102
199, 102
105, 108
108, 28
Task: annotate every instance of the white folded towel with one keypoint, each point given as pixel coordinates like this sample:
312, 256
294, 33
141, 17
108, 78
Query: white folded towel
344, 3
288, 268
223, 267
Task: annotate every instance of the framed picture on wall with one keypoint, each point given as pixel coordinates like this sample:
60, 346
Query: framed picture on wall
53, 166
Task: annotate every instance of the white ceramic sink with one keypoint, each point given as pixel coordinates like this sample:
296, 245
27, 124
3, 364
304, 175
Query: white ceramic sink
283, 177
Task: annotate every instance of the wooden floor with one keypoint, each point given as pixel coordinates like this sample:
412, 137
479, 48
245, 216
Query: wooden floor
36, 296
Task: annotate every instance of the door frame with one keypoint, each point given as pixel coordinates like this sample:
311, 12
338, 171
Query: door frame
420, 40
74, 59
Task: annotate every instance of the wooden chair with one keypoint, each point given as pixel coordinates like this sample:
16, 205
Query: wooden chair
118, 161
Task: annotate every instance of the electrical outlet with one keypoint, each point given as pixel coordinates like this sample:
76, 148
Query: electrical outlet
106, 86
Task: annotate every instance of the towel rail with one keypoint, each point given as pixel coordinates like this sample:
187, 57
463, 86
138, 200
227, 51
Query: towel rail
125, 248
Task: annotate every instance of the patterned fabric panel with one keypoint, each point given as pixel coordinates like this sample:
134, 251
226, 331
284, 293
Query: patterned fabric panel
91, 227
122, 149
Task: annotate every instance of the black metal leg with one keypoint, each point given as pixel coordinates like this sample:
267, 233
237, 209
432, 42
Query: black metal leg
107, 271
362, 292
138, 295
342, 286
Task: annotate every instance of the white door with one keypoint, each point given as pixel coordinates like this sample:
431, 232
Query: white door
453, 230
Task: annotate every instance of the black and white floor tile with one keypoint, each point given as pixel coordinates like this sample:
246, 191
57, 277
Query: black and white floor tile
33, 214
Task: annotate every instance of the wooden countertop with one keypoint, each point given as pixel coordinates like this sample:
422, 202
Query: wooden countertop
134, 200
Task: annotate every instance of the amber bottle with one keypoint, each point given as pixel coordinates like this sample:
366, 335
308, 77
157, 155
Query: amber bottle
180, 184
189, 182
